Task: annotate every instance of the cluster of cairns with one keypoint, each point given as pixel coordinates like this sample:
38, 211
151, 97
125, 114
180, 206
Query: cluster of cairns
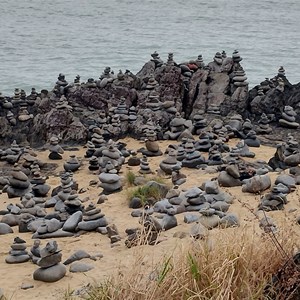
201, 143
49, 258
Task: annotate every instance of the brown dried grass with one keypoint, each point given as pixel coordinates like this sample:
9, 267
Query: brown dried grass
231, 266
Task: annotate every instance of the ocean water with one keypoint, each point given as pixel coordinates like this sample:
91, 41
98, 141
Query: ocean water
41, 38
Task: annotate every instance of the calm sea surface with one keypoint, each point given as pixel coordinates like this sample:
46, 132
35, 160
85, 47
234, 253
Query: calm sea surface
41, 38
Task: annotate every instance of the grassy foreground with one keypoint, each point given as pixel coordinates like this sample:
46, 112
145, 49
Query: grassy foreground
229, 266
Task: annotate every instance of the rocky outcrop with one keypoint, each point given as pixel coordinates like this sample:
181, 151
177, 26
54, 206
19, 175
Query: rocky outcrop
153, 96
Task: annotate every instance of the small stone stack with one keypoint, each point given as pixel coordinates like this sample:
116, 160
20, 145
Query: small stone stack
251, 139
241, 149
51, 269
18, 253
94, 164
144, 166
216, 64
276, 199
170, 163
156, 59
152, 146
180, 155
236, 56
110, 180
133, 160
214, 156
177, 126
72, 164
73, 203
19, 183
152, 83
178, 178
62, 103
55, 149
17, 97
62, 192
213, 109
122, 110
204, 142
39, 186
24, 115
170, 61
113, 155
91, 83
11, 118
194, 201
199, 123
90, 149
193, 158
92, 218
263, 125
239, 78
97, 138
199, 61
230, 177
132, 114
288, 118
115, 127
153, 102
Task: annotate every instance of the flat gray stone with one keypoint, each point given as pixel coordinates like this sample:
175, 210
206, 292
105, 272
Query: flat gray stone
79, 267
51, 274
92, 225
72, 221
78, 255
5, 229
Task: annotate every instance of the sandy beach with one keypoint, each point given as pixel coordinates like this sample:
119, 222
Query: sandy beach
119, 258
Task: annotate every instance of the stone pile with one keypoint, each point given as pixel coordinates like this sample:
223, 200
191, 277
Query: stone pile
18, 252
72, 164
199, 123
251, 139
92, 218
288, 118
93, 163
193, 158
242, 150
144, 166
73, 203
276, 198
19, 183
256, 184
204, 143
39, 186
12, 154
263, 125
110, 181
55, 149
170, 163
230, 177
51, 269
111, 155
152, 146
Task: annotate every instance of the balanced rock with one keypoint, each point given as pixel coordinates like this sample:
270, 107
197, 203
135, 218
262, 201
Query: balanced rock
51, 269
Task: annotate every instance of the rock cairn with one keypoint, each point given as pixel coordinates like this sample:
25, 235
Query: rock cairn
19, 183
288, 118
72, 164
110, 181
51, 269
18, 252
144, 166
55, 149
193, 158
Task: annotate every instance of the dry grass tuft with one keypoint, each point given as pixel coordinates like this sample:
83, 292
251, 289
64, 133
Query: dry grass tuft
233, 266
